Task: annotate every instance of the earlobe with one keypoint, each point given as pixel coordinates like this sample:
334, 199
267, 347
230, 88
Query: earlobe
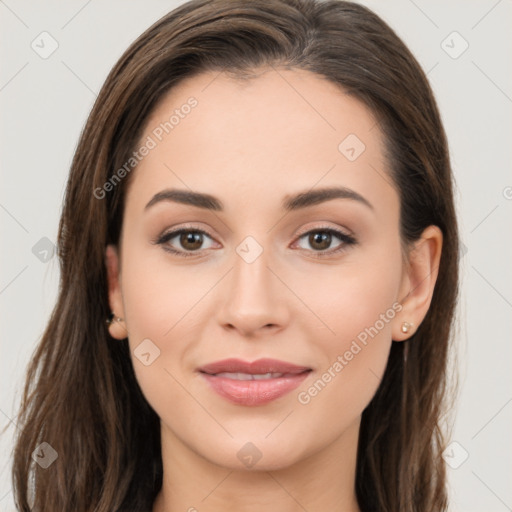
418, 283
116, 326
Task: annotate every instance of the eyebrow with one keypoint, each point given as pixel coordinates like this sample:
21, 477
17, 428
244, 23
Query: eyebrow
290, 203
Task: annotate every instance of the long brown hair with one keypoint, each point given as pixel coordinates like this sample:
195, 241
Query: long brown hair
81, 395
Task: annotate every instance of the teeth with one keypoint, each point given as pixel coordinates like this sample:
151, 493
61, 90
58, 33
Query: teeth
249, 376
258, 376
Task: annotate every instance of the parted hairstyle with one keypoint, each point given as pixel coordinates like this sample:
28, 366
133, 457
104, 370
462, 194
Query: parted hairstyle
81, 395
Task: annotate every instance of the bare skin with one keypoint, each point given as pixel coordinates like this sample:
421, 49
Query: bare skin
252, 145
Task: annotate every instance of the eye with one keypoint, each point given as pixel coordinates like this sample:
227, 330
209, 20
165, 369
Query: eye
321, 239
190, 240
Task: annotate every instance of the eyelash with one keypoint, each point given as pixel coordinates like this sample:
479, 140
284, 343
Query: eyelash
347, 240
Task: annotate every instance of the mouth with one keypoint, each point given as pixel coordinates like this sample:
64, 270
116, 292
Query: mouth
254, 376
253, 383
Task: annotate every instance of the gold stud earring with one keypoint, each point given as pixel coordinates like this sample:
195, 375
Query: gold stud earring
406, 326
113, 317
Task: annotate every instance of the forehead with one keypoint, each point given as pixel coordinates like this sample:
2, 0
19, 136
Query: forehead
282, 131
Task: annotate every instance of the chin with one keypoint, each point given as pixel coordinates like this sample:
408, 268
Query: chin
255, 453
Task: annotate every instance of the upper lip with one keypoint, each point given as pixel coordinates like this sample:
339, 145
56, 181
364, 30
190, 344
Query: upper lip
260, 366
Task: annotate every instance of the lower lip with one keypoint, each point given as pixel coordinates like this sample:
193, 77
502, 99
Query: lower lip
254, 392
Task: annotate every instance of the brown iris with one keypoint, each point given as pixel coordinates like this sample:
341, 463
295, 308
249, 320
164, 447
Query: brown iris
323, 238
191, 240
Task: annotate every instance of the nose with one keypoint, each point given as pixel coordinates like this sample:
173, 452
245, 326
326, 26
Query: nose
254, 298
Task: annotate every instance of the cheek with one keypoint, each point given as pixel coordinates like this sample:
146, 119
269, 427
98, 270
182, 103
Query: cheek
358, 306
353, 297
158, 301
159, 296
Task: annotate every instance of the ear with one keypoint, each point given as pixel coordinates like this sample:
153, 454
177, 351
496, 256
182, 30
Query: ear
418, 281
117, 327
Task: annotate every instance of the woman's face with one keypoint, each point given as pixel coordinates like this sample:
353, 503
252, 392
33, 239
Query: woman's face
270, 268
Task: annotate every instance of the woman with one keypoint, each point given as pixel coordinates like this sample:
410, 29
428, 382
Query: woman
258, 254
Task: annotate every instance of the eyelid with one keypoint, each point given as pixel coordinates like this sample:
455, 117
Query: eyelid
302, 232
325, 227
175, 230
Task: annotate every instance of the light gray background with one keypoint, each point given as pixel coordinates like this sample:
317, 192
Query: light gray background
45, 103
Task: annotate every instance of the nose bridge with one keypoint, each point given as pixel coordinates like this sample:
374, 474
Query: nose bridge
252, 298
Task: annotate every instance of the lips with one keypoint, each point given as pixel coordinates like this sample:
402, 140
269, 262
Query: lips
258, 367
255, 383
